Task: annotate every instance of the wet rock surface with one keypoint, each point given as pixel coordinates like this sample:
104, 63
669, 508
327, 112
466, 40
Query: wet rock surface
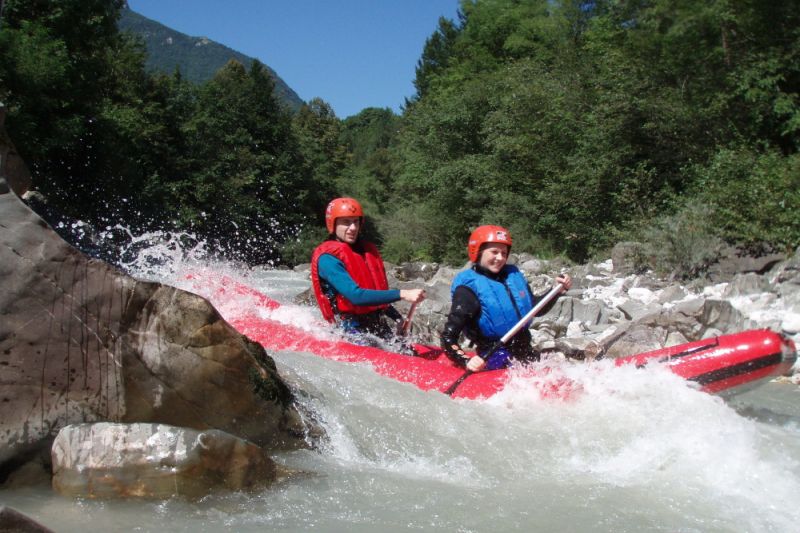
106, 460
81, 341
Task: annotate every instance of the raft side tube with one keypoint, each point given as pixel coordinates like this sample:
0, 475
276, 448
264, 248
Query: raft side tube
727, 362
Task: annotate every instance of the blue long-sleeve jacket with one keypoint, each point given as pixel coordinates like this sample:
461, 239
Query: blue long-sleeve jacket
333, 272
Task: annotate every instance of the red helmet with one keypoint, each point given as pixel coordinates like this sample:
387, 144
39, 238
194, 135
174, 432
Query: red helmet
484, 234
341, 207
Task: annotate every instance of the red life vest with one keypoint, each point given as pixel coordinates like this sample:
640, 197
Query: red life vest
366, 270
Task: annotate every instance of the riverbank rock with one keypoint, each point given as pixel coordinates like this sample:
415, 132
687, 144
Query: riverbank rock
415, 270
107, 460
12, 521
733, 261
81, 341
627, 257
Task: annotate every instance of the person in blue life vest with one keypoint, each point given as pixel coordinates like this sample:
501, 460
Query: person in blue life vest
488, 299
349, 279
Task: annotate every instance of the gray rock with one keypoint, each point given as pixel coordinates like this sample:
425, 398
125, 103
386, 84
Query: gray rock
305, 298
627, 257
525, 256
576, 347
688, 325
787, 272
637, 339
791, 323
12, 520
689, 307
438, 296
446, 273
710, 333
415, 271
672, 293
533, 266
107, 460
589, 312
593, 282
790, 292
743, 284
649, 283
634, 310
80, 341
722, 316
675, 338
560, 314
541, 283
733, 262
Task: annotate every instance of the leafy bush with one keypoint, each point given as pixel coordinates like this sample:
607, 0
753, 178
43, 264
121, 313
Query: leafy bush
298, 250
683, 244
754, 197
399, 250
410, 232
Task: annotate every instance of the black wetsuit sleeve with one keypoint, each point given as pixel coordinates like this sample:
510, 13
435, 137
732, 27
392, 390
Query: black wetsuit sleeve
464, 312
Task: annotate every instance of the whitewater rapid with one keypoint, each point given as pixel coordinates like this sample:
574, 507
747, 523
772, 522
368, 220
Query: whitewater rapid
639, 451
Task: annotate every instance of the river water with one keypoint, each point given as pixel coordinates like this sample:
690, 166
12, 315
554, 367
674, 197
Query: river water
637, 451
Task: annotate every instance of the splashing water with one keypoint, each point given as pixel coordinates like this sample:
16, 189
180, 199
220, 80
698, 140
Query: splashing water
158, 255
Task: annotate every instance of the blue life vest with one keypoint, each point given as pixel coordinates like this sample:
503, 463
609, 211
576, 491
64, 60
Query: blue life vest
503, 303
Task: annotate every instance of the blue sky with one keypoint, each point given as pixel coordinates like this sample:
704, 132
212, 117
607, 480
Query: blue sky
351, 53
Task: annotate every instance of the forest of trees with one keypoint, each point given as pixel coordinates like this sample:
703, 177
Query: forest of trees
577, 124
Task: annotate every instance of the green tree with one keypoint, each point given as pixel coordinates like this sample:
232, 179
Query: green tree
245, 188
318, 133
368, 138
58, 69
99, 134
586, 120
436, 55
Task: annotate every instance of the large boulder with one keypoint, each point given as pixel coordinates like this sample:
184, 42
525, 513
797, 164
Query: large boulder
12, 520
787, 272
81, 341
733, 262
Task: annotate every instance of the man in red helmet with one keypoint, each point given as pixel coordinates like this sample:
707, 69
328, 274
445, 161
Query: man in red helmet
349, 279
488, 299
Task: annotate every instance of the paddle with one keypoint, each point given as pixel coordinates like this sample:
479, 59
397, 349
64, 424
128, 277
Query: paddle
510, 333
402, 331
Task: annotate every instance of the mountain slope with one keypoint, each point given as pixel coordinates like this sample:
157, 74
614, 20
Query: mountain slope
198, 58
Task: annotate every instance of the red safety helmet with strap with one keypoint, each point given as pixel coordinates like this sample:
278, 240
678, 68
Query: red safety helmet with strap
484, 234
341, 207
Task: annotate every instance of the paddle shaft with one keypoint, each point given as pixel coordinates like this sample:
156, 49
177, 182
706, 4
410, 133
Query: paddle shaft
532, 313
511, 332
407, 322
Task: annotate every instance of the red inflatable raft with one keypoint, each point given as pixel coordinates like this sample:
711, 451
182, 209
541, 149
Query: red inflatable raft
716, 364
